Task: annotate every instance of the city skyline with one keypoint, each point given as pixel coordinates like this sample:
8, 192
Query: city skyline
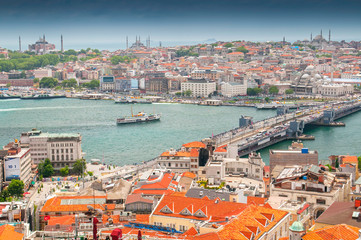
106, 25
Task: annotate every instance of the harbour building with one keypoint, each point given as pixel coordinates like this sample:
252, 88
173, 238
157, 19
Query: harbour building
61, 148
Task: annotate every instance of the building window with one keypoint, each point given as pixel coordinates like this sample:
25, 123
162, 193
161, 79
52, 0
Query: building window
321, 201
301, 199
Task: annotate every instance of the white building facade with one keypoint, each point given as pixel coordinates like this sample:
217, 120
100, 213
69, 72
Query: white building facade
199, 88
231, 89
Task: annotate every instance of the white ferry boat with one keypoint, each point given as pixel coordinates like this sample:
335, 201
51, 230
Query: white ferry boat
138, 118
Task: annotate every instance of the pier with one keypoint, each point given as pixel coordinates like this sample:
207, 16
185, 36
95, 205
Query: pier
252, 136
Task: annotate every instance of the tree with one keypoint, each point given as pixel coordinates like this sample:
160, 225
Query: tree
79, 167
23, 74
92, 84
70, 52
289, 91
36, 80
253, 91
46, 168
8, 85
48, 82
359, 163
337, 164
242, 49
4, 195
228, 45
273, 90
64, 171
188, 93
16, 188
267, 99
178, 94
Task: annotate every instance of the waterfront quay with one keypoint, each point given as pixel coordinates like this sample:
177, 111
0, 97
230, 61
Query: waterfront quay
255, 136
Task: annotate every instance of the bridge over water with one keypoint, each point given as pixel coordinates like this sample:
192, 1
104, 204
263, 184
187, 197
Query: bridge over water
252, 136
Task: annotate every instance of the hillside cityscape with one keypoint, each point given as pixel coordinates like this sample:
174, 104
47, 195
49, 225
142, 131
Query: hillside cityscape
211, 140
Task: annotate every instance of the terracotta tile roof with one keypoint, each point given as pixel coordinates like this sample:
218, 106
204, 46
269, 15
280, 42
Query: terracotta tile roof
221, 149
190, 232
132, 198
115, 218
195, 144
251, 221
143, 218
256, 200
54, 204
8, 232
63, 220
341, 231
349, 159
189, 175
214, 209
192, 153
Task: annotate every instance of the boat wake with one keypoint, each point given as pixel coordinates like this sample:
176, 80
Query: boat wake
34, 108
9, 100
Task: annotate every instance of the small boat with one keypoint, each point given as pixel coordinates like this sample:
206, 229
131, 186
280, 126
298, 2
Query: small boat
41, 96
7, 96
132, 100
138, 118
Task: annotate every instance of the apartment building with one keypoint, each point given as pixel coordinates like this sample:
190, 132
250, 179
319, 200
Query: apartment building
199, 87
313, 185
231, 89
17, 164
61, 148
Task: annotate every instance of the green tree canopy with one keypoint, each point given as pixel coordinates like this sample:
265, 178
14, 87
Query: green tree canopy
273, 90
64, 171
253, 91
71, 83
188, 93
228, 45
16, 188
48, 82
93, 84
46, 168
79, 167
289, 91
120, 59
70, 52
242, 49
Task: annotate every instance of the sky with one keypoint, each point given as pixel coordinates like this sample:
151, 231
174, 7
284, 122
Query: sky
104, 24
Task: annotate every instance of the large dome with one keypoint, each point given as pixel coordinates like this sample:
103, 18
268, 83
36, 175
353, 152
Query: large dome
297, 227
305, 75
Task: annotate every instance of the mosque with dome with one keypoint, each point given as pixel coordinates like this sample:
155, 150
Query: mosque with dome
310, 82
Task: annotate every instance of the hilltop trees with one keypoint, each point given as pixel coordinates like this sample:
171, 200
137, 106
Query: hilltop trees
119, 59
